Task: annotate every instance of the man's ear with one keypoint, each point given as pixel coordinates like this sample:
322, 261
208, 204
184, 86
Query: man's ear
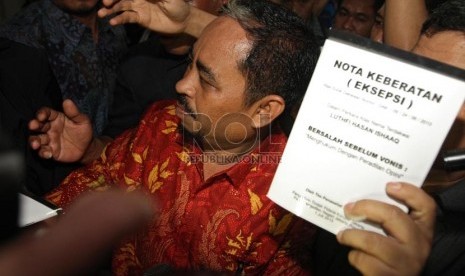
267, 109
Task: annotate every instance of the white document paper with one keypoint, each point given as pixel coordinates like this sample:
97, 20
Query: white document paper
367, 119
32, 211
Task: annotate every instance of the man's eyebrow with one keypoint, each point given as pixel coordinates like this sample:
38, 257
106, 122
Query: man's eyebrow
361, 14
205, 71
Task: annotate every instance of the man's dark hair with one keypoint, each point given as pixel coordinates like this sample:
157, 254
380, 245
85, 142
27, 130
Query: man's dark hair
431, 5
449, 16
377, 4
283, 53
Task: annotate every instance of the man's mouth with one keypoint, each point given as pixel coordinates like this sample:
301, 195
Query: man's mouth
183, 109
180, 112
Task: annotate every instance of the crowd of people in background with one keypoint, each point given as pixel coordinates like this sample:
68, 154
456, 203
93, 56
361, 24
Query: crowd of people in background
100, 95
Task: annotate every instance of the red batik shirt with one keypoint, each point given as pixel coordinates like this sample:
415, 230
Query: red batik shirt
225, 223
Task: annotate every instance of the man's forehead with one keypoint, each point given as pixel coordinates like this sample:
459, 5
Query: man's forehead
359, 6
221, 23
224, 34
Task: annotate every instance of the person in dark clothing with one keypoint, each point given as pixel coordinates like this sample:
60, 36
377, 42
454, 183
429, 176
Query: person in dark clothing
148, 74
11, 173
448, 254
26, 84
83, 50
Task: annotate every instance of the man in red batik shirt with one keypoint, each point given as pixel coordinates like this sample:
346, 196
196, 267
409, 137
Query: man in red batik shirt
211, 189
247, 70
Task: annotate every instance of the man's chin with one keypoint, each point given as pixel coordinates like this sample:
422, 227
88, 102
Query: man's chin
188, 123
187, 132
191, 126
82, 11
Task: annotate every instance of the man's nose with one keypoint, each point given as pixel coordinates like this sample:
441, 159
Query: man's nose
185, 85
348, 23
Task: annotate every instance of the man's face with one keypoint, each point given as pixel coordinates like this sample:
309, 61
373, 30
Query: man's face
355, 16
180, 44
78, 7
212, 91
447, 47
377, 30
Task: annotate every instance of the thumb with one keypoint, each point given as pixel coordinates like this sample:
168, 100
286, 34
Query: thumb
72, 112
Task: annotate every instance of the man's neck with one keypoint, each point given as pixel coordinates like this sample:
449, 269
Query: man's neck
91, 22
217, 160
88, 17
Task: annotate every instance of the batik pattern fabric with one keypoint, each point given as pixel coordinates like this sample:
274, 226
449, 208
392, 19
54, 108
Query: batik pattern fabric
224, 223
85, 70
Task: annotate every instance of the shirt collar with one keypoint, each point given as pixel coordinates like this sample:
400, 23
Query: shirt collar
264, 158
73, 29
266, 155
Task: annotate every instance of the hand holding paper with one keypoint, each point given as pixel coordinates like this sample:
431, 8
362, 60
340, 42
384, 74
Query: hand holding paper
407, 246
362, 125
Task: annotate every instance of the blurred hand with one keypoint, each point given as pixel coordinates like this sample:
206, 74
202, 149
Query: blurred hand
61, 136
406, 247
81, 238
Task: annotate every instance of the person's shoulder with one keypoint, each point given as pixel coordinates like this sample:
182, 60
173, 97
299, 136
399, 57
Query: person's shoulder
31, 14
24, 27
158, 126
